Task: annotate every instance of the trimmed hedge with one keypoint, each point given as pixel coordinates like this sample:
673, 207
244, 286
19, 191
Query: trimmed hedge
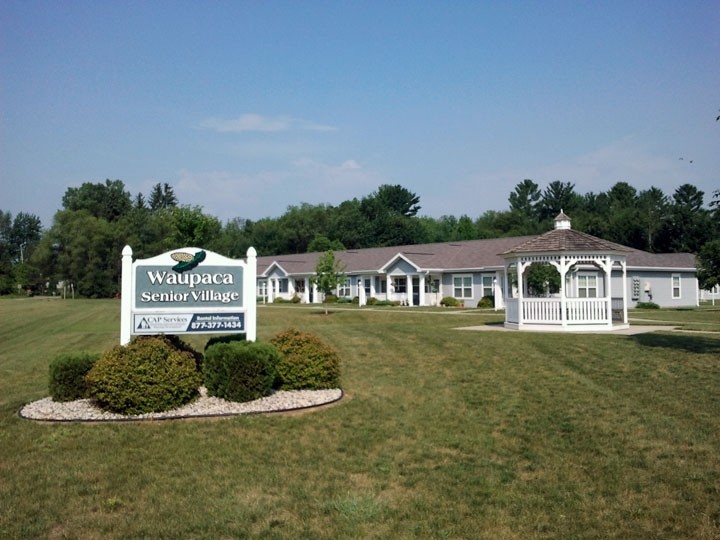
486, 302
147, 375
240, 370
306, 363
225, 338
67, 376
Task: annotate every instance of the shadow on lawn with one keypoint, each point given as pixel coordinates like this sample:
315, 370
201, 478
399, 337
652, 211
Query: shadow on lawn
691, 343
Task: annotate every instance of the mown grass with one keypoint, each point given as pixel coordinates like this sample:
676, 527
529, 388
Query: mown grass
442, 434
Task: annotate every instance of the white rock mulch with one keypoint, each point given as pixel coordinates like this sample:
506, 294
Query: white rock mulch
85, 410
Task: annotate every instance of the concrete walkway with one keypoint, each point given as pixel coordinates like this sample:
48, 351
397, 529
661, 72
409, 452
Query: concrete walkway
634, 329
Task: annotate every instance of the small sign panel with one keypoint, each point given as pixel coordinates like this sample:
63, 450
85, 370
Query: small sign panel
182, 323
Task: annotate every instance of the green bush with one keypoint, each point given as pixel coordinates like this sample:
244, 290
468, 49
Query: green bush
647, 305
179, 344
67, 376
386, 303
306, 363
372, 301
296, 299
240, 370
486, 302
343, 300
225, 338
330, 299
449, 301
147, 375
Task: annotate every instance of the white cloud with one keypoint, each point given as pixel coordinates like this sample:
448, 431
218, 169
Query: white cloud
262, 124
228, 194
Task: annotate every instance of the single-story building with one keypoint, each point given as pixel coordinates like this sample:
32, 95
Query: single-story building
423, 274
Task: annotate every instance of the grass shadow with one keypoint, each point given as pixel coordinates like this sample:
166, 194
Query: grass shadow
690, 343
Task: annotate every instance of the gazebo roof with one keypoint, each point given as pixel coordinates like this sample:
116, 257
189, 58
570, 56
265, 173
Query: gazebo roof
563, 238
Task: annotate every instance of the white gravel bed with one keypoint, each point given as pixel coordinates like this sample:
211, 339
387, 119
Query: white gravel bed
85, 410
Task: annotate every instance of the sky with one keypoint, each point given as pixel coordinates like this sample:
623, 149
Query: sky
248, 107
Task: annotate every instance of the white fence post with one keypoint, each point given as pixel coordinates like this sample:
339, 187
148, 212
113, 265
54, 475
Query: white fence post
126, 296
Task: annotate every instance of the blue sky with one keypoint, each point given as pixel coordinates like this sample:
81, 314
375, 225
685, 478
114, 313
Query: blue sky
248, 107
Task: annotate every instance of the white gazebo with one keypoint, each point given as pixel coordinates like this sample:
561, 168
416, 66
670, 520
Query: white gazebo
592, 294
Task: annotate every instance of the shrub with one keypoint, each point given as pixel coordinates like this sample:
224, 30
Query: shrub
449, 301
147, 375
225, 338
372, 301
296, 299
647, 305
240, 371
386, 303
343, 300
179, 344
306, 363
330, 299
486, 302
279, 300
67, 376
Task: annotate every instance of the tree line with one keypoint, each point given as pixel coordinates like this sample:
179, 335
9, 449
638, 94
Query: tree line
81, 249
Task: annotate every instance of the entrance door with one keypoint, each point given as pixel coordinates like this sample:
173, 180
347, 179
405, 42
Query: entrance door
415, 291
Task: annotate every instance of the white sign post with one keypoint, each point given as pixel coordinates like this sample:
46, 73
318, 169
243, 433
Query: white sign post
188, 291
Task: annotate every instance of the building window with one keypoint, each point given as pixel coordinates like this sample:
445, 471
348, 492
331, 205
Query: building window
399, 284
636, 288
366, 285
380, 285
462, 286
587, 286
300, 286
344, 288
282, 285
262, 288
676, 285
488, 288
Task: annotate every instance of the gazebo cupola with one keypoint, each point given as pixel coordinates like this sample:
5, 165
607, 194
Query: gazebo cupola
591, 293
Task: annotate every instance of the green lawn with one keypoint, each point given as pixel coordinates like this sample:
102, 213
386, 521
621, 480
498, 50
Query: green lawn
442, 434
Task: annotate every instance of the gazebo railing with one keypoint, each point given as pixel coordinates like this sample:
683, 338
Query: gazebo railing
549, 310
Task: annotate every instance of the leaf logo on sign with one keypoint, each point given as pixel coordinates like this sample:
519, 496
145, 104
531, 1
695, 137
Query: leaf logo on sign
186, 261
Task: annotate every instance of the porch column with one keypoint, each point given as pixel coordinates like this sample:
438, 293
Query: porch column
306, 296
372, 287
498, 290
389, 295
361, 291
270, 290
409, 290
421, 301
316, 294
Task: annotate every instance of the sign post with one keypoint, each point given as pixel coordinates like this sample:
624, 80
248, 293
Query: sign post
188, 291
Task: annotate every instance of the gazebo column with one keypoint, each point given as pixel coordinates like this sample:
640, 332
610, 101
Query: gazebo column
607, 266
562, 267
521, 266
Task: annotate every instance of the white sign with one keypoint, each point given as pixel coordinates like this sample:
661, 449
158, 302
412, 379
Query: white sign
188, 291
